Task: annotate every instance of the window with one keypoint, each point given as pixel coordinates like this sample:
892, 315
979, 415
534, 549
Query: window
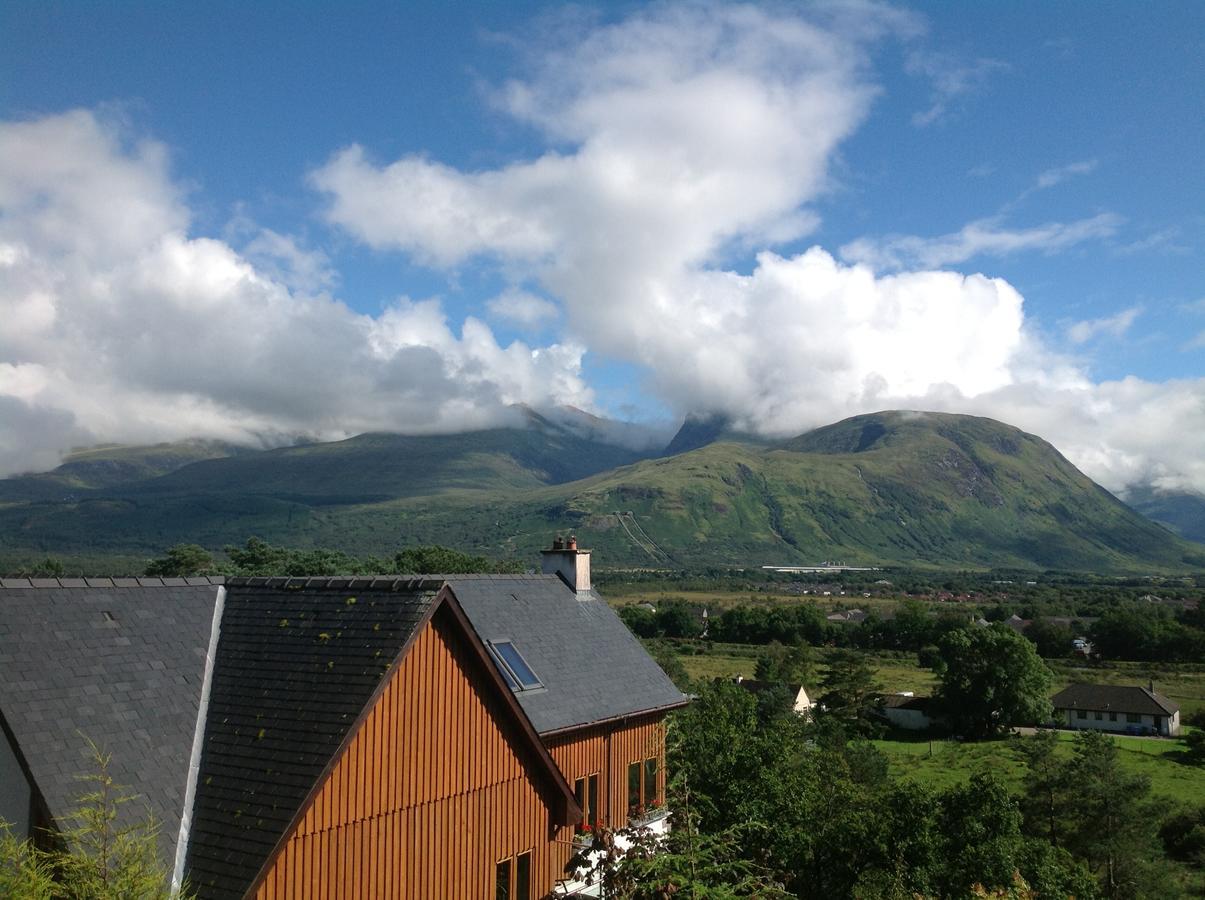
512, 878
513, 666
642, 785
1112, 717
585, 791
502, 873
1099, 715
650, 781
634, 788
523, 877
1133, 717
1081, 713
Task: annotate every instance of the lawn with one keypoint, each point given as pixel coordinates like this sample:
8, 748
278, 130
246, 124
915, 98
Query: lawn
945, 763
896, 671
1182, 682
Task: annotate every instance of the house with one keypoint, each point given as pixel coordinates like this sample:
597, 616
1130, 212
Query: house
847, 617
343, 737
907, 711
1121, 708
797, 693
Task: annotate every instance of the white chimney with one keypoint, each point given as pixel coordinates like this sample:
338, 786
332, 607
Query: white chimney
566, 560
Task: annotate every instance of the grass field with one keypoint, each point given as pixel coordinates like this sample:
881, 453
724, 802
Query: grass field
945, 763
1182, 682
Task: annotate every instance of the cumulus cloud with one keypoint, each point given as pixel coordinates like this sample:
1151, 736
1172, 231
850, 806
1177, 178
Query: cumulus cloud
677, 139
984, 237
119, 325
683, 132
523, 308
1113, 326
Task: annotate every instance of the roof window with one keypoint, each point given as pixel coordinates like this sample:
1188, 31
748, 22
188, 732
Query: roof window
513, 666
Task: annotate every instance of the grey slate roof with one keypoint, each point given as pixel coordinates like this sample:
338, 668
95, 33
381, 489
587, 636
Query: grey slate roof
115, 663
1114, 698
297, 661
592, 665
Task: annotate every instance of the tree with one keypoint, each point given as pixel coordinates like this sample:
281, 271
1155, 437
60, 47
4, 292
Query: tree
849, 689
50, 567
991, 678
96, 858
676, 619
1048, 789
784, 665
181, 561
641, 620
1114, 822
670, 662
434, 560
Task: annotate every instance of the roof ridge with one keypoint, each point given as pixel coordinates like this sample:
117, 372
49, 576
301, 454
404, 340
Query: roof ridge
112, 582
337, 582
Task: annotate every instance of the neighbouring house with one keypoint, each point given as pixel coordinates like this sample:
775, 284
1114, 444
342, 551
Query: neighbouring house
345, 737
847, 617
1121, 708
907, 711
797, 693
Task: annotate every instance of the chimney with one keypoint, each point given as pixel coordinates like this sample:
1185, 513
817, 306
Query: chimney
566, 560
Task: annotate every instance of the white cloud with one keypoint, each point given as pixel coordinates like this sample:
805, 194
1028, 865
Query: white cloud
984, 237
673, 137
1051, 177
523, 308
683, 131
119, 325
950, 79
1114, 326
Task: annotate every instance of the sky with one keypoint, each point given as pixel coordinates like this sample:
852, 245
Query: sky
273, 222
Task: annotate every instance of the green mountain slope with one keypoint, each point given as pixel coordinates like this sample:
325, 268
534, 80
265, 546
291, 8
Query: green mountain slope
889, 488
1181, 511
113, 465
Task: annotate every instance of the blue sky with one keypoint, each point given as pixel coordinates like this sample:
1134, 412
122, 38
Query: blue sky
1053, 148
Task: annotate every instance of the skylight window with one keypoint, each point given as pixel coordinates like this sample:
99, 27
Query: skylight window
514, 667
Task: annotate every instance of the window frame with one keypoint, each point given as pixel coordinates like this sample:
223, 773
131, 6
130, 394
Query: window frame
511, 889
510, 674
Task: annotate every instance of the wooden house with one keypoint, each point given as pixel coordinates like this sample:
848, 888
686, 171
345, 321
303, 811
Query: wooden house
341, 737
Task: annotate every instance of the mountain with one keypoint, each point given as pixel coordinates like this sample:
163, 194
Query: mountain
700, 430
1181, 511
893, 488
112, 465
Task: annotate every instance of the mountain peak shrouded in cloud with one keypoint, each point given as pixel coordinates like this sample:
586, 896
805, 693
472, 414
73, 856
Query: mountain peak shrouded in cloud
675, 162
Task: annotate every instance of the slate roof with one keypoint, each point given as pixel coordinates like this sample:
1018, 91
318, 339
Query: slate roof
297, 661
592, 665
112, 662
900, 701
1114, 698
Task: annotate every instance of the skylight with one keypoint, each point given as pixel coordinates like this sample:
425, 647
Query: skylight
514, 667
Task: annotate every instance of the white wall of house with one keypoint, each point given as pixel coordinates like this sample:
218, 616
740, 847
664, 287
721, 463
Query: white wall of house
1103, 720
14, 791
803, 703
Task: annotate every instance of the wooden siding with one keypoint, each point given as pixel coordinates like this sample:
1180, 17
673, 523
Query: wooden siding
427, 796
608, 750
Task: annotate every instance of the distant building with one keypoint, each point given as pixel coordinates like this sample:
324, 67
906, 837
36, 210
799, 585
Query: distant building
907, 711
848, 617
801, 703
1116, 708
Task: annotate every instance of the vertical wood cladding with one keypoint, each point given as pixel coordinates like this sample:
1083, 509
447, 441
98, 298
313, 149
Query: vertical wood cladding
608, 750
430, 792
426, 797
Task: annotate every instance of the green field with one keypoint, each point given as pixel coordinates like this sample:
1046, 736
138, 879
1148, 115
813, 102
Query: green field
1182, 682
945, 763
